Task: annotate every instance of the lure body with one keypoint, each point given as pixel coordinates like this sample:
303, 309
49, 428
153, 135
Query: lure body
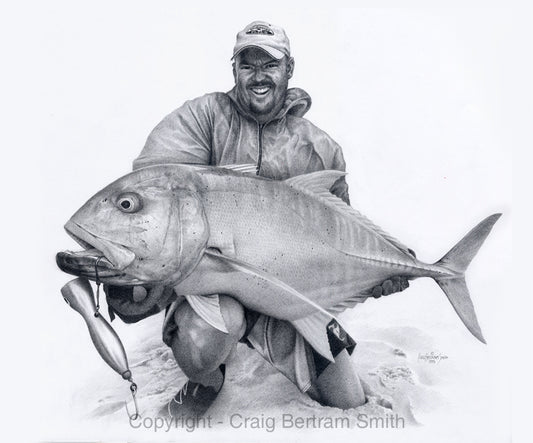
79, 296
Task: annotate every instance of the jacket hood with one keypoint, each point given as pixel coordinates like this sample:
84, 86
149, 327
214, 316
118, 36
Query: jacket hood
297, 103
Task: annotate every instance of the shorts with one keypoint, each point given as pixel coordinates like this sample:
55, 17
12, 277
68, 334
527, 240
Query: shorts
283, 347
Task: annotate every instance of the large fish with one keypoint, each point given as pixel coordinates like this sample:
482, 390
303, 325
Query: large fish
289, 249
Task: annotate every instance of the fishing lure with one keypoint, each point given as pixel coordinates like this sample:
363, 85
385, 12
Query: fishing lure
79, 296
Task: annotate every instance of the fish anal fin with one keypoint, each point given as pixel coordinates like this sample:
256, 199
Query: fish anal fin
348, 303
314, 329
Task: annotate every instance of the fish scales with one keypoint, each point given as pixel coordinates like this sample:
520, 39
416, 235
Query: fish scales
288, 249
273, 229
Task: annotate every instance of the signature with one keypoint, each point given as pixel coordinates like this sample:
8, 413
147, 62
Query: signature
432, 357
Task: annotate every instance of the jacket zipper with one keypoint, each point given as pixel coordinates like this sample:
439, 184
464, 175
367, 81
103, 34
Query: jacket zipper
260, 144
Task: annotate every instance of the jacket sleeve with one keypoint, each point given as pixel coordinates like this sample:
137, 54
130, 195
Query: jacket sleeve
340, 187
183, 136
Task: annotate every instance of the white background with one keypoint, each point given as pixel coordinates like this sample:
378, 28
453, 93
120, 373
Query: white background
427, 103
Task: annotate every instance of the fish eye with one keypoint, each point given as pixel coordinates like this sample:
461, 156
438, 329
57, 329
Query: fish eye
129, 202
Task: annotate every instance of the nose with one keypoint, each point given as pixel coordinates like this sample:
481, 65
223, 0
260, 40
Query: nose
259, 75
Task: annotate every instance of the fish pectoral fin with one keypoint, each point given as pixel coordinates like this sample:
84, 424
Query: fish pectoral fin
247, 268
225, 248
208, 308
314, 329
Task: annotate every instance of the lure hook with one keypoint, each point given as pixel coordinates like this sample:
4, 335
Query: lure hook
135, 415
97, 281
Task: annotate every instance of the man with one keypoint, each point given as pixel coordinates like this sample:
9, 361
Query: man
260, 121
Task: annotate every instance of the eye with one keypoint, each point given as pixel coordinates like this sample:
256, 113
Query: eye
272, 66
129, 202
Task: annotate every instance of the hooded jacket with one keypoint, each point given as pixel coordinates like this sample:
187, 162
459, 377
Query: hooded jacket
215, 130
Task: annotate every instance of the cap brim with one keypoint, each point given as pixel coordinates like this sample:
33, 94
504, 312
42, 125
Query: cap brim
273, 52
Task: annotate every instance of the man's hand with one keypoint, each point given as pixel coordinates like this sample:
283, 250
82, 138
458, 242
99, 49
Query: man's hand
134, 303
395, 284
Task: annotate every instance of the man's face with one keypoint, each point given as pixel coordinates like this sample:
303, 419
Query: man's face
262, 82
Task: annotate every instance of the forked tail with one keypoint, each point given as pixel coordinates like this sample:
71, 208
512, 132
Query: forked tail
457, 260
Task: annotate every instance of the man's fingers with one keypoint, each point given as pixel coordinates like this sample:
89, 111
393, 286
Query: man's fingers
388, 287
395, 284
400, 283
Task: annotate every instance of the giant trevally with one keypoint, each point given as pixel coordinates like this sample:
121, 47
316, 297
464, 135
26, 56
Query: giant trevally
289, 249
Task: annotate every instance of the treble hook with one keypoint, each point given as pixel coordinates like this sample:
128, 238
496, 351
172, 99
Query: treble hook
133, 389
97, 281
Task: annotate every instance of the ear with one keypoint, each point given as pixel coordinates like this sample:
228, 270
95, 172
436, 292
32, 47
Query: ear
290, 67
234, 72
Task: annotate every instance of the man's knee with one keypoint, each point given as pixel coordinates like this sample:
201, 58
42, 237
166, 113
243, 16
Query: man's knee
198, 347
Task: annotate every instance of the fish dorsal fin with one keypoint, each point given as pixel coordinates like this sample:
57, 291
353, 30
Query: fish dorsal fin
247, 168
378, 230
319, 183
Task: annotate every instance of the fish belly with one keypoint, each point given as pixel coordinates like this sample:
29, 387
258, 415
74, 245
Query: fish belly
265, 295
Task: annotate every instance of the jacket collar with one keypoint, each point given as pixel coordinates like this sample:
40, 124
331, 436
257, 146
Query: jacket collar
297, 103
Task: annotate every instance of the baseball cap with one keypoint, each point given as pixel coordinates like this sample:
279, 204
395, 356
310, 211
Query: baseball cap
269, 38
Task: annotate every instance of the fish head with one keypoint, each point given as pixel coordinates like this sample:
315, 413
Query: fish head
146, 228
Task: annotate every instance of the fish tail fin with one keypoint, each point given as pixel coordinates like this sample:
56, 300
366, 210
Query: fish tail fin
457, 260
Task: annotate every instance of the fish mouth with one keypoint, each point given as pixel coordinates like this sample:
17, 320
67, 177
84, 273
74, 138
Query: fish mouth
99, 260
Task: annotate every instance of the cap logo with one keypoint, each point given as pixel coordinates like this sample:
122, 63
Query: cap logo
260, 29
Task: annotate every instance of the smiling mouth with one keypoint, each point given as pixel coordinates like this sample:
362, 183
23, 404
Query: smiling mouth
260, 90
